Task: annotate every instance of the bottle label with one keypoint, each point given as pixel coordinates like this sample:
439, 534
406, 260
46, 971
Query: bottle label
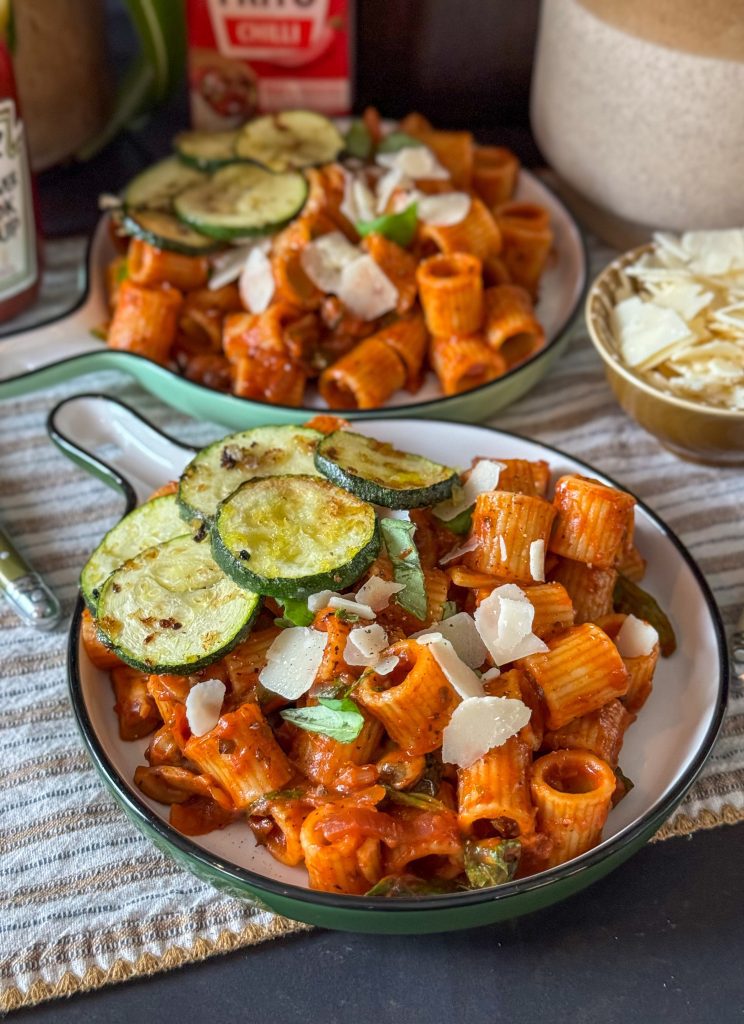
18, 267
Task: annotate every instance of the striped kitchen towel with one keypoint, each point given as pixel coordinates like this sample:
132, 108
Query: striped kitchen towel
87, 900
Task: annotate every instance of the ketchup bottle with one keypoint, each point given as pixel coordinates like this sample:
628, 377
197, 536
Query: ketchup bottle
19, 233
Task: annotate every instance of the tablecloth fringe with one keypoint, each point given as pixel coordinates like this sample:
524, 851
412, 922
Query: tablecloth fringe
12, 998
683, 825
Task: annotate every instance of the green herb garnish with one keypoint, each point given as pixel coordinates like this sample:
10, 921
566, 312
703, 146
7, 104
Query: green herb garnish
398, 537
491, 861
398, 227
408, 798
296, 613
396, 141
340, 719
460, 524
400, 887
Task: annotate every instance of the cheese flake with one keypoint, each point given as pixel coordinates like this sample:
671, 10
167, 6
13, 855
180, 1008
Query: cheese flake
413, 162
365, 644
458, 550
365, 289
316, 602
647, 333
292, 661
537, 560
228, 266
460, 630
203, 705
386, 665
444, 210
348, 604
325, 258
504, 621
636, 638
478, 725
256, 283
376, 592
462, 678
484, 477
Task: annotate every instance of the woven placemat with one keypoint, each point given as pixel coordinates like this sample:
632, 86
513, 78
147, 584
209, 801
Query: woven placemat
86, 900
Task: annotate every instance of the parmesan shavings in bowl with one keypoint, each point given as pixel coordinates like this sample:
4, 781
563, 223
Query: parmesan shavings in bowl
292, 661
537, 560
504, 621
325, 257
203, 705
636, 638
478, 725
682, 329
256, 282
376, 592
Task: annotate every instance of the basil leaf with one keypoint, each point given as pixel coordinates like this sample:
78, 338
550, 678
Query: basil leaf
460, 524
260, 804
398, 537
122, 272
296, 613
491, 862
339, 719
358, 141
398, 227
397, 140
449, 608
401, 887
630, 599
421, 801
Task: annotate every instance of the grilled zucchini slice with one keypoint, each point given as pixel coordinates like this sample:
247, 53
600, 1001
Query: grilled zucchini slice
207, 151
219, 469
171, 609
164, 231
149, 524
291, 536
242, 200
292, 139
157, 186
378, 472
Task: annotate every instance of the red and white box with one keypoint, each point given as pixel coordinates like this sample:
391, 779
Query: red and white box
252, 56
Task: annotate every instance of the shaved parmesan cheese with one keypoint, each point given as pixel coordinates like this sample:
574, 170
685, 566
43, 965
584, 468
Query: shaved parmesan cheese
348, 604
459, 549
444, 210
484, 477
462, 679
636, 638
647, 333
714, 252
413, 162
686, 298
504, 621
460, 630
256, 282
386, 186
325, 258
537, 560
358, 202
365, 644
228, 266
386, 665
292, 661
203, 705
492, 673
478, 725
320, 600
365, 289
376, 592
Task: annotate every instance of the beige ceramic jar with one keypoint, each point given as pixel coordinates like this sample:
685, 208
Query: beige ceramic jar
639, 107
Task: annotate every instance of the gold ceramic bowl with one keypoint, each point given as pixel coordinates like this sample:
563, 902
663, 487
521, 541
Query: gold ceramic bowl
690, 429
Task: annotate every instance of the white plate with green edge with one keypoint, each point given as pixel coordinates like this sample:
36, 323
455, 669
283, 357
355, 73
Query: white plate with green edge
43, 356
663, 751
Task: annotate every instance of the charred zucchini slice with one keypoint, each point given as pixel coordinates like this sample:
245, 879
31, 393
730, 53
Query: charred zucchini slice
380, 473
291, 536
291, 139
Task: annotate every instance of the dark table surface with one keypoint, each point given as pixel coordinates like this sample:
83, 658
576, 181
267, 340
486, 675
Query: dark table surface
662, 939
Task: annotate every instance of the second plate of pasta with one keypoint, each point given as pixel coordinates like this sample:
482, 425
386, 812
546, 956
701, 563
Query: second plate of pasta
578, 682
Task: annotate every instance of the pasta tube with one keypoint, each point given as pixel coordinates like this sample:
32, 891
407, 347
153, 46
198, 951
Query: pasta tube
590, 588
572, 790
364, 378
505, 524
494, 793
526, 241
150, 267
451, 293
495, 171
592, 521
511, 326
464, 363
477, 233
145, 320
600, 731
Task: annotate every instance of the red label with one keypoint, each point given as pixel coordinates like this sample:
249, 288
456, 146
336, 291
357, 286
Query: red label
269, 32
248, 56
